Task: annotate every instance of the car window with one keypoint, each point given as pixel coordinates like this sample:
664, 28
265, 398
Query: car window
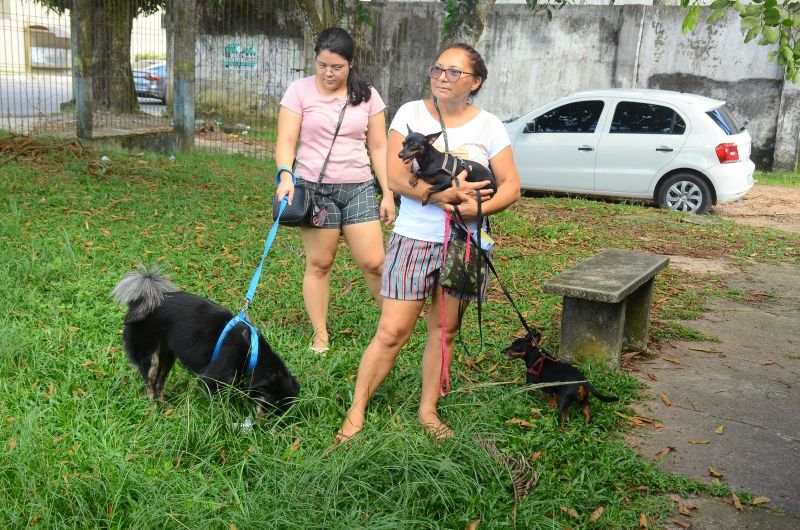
645, 118
726, 122
579, 117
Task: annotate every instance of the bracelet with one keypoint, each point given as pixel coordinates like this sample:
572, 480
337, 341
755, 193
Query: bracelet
282, 169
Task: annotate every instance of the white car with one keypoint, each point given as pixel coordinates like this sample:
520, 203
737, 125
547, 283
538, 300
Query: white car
683, 151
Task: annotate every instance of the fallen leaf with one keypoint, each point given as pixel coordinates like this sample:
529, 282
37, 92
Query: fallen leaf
12, 444
759, 500
223, 455
720, 429
11, 419
596, 514
666, 400
714, 473
232, 527
683, 510
643, 521
699, 442
569, 511
664, 452
35, 518
51, 389
296, 444
673, 360
474, 524
651, 376
737, 503
768, 362
682, 524
535, 456
89, 363
640, 488
521, 423
169, 414
658, 425
347, 332
78, 390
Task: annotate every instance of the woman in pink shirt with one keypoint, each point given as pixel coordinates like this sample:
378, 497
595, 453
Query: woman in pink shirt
309, 112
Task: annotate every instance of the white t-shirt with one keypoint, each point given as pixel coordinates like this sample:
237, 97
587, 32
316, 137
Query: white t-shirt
478, 140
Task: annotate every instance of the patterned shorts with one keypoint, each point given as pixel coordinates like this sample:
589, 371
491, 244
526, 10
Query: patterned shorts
411, 270
349, 204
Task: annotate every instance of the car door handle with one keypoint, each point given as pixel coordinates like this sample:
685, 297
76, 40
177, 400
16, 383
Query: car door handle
586, 148
664, 148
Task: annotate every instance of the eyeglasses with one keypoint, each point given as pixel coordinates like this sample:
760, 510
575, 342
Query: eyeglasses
451, 74
336, 68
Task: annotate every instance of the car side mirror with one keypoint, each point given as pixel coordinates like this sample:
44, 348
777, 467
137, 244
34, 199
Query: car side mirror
530, 127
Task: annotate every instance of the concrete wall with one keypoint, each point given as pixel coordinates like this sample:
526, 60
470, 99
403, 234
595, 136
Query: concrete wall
532, 61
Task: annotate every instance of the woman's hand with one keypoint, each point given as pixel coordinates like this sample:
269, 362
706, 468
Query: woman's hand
464, 191
285, 188
387, 208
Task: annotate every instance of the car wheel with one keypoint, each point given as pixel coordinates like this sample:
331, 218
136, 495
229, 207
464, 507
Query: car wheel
685, 192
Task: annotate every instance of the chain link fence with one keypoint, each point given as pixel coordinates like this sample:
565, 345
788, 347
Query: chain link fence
247, 52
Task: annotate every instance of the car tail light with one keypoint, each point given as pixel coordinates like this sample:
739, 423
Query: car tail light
727, 153
158, 78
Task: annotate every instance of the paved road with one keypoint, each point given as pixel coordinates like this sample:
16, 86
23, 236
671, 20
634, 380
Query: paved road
41, 95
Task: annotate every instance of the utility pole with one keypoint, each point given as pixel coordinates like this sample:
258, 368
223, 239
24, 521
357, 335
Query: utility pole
183, 14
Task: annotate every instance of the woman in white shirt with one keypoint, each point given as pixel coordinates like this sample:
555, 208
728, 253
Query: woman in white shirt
415, 251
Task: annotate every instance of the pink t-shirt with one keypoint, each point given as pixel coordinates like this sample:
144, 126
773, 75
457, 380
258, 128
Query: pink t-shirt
349, 162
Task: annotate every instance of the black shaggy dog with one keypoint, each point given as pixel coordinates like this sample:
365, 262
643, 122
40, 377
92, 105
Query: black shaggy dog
543, 368
164, 323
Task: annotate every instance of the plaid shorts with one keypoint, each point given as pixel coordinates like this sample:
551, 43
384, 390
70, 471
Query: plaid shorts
411, 270
349, 204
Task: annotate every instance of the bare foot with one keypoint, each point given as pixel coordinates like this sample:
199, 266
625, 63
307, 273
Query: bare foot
351, 426
319, 344
435, 426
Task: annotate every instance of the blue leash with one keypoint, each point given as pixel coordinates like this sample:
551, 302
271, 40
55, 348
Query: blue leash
251, 291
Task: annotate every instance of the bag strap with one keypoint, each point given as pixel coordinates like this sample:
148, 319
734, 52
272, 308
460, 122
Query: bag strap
335, 134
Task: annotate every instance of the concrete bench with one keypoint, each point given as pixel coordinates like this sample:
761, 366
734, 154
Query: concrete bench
606, 304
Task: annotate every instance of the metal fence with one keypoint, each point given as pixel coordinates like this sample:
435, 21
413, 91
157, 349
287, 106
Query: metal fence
246, 54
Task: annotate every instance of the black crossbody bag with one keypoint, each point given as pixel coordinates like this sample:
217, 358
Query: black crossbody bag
307, 208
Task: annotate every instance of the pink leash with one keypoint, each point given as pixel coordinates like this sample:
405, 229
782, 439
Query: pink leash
444, 378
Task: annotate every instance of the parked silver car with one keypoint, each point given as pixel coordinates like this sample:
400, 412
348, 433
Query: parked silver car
152, 82
683, 151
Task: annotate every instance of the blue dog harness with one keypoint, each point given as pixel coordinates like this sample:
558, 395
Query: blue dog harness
241, 317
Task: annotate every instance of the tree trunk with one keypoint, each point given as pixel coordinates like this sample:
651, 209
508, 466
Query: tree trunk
113, 80
467, 22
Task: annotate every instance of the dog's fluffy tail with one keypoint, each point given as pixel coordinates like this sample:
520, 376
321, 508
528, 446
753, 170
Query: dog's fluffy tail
598, 395
142, 290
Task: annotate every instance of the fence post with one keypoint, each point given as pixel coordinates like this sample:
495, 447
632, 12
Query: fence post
184, 17
81, 22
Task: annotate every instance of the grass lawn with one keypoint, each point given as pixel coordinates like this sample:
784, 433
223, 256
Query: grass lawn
778, 178
81, 447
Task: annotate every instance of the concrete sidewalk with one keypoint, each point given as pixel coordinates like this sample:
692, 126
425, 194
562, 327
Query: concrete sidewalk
748, 384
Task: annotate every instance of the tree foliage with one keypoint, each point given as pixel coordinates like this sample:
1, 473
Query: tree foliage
772, 22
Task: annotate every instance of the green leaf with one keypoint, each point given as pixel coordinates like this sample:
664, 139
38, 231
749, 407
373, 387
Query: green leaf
751, 22
720, 4
716, 15
787, 54
771, 35
739, 7
752, 34
771, 55
772, 17
691, 19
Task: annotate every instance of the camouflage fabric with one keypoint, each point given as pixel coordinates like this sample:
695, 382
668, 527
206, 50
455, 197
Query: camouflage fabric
455, 273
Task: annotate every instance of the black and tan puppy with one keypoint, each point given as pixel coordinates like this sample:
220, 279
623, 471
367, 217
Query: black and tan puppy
436, 168
164, 323
543, 368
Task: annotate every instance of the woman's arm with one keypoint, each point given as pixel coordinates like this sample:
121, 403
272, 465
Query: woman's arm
376, 144
289, 123
508, 188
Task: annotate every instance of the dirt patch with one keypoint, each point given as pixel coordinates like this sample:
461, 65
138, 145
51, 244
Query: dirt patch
700, 265
775, 207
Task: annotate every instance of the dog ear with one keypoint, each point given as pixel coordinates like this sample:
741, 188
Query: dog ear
433, 137
409, 129
514, 354
535, 338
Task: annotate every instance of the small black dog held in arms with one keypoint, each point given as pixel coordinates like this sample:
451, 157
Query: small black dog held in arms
164, 323
543, 368
436, 168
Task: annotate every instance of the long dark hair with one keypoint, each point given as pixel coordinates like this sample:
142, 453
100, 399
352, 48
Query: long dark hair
338, 41
478, 65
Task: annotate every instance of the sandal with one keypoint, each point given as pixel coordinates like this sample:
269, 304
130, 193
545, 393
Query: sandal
321, 349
